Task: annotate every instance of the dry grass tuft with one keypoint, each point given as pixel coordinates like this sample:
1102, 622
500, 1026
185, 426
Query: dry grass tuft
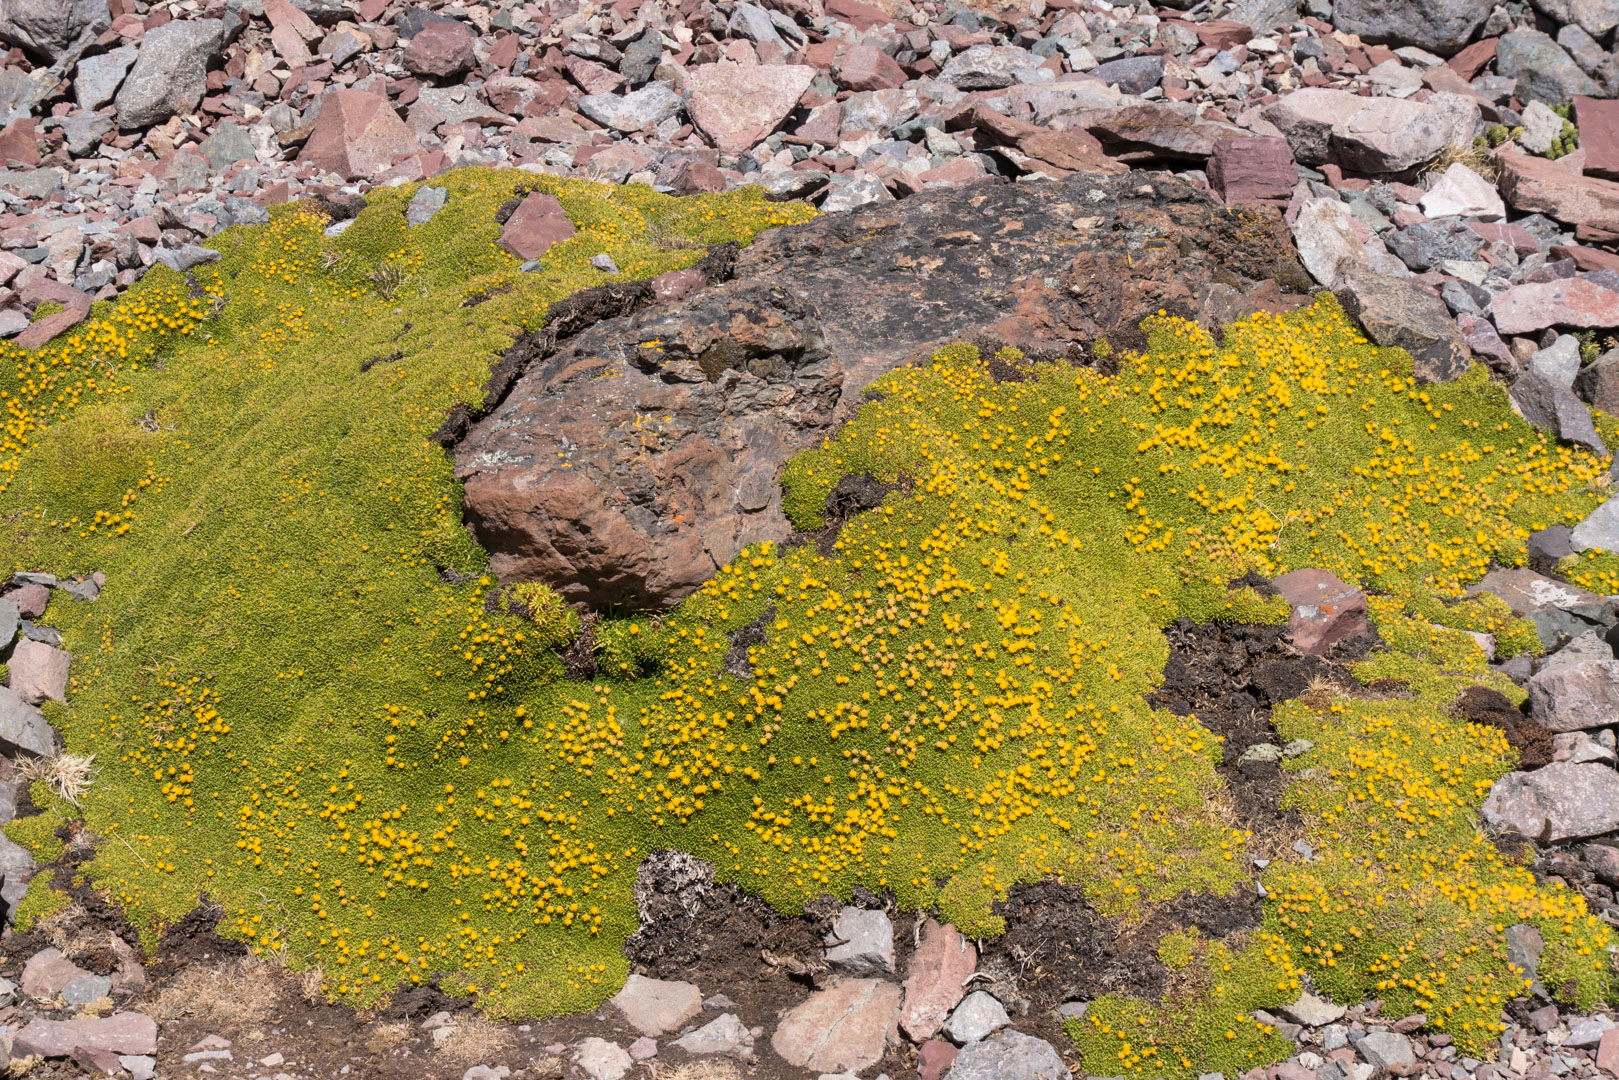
385, 1037
69, 776
1478, 158
474, 1040
239, 993
705, 1069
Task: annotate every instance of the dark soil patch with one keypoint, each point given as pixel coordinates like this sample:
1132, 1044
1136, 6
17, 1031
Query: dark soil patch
1482, 705
736, 660
1230, 676
194, 939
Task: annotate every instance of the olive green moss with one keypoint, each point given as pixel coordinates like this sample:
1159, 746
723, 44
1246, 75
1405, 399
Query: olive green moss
297, 715
40, 902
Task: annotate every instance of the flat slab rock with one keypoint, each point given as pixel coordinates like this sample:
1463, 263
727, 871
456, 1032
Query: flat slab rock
645, 452
1562, 801
1009, 1055
120, 1033
843, 1028
656, 1006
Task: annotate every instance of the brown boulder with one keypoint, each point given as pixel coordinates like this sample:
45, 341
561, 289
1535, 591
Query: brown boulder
669, 468
358, 134
1536, 185
441, 50
866, 67
737, 106
538, 222
1252, 169
1598, 121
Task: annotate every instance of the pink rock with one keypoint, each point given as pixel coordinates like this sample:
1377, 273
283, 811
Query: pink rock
31, 600
1325, 610
935, 1057
38, 671
843, 1028
281, 13
1481, 337
1598, 121
934, 987
1586, 258
289, 46
866, 67
1535, 185
1608, 1052
19, 143
1244, 170
97, 1062
736, 106
961, 170
859, 15
120, 1033
46, 329
677, 285
537, 223
1223, 33
1524, 309
47, 972
441, 50
1515, 236
691, 177
593, 78
358, 134
144, 229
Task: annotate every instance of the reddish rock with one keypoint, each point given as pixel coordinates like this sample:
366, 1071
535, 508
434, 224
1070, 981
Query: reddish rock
1608, 1052
441, 50
1586, 258
866, 67
677, 285
31, 600
1245, 170
1574, 302
47, 972
1325, 610
1471, 60
1520, 239
934, 986
843, 1028
358, 134
737, 106
1598, 121
1535, 185
934, 1058
1482, 339
538, 222
860, 16
48, 328
1223, 33
120, 1033
594, 78
19, 143
692, 177
39, 671
961, 170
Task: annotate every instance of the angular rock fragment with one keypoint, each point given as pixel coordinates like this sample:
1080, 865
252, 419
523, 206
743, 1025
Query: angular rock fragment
1562, 801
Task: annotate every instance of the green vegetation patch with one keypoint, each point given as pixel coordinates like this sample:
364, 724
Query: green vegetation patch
297, 714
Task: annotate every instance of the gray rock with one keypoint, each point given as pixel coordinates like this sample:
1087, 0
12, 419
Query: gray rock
171, 72
1008, 1055
879, 110
1544, 72
725, 1034
1440, 26
1399, 314
1578, 746
850, 194
647, 107
1541, 128
84, 131
1312, 1011
1576, 696
1556, 409
1584, 1034
1524, 946
424, 204
604, 262
979, 1015
754, 23
600, 1060
1133, 74
1600, 529
1592, 17
992, 67
1588, 646
16, 871
1383, 1049
1465, 298
1427, 244
656, 1006
861, 942
185, 257
98, 77
1261, 752
23, 727
51, 28
1559, 362
1561, 801
88, 988
641, 57
228, 144
1264, 15
1326, 241
10, 620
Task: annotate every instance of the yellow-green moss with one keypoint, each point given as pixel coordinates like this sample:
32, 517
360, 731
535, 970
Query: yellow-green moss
41, 901
296, 715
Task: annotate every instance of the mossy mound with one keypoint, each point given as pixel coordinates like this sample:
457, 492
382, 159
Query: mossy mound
300, 716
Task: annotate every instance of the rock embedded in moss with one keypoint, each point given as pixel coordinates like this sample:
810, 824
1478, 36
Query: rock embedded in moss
538, 222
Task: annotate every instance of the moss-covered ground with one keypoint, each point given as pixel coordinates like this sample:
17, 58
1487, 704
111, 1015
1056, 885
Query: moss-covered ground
297, 715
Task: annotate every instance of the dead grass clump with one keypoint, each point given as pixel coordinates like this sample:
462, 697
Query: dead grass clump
475, 1040
386, 1036
1478, 158
704, 1069
68, 776
238, 993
